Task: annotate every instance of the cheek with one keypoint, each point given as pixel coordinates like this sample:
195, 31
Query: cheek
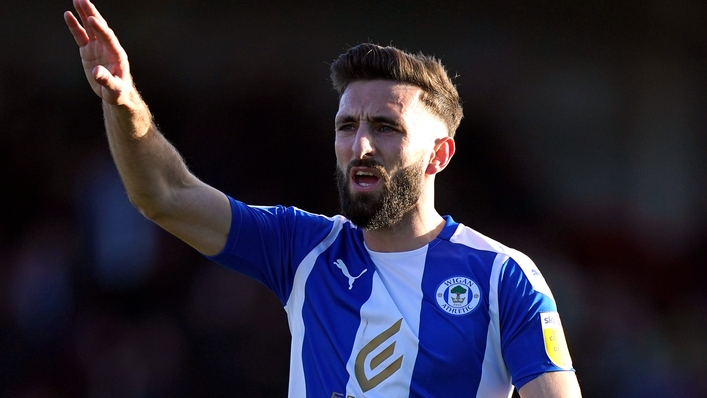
417, 157
342, 151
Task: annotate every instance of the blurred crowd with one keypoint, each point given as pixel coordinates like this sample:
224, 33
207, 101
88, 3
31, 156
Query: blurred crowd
583, 145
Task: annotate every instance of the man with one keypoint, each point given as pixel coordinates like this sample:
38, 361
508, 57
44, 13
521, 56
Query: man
388, 300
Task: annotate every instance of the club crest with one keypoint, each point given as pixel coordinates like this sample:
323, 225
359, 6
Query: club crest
458, 295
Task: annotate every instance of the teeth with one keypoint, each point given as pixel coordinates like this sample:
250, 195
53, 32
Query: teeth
364, 173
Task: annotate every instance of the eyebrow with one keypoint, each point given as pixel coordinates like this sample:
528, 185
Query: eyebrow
345, 119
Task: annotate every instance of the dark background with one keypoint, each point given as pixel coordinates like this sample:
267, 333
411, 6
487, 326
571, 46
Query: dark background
583, 145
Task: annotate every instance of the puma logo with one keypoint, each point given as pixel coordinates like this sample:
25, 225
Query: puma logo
339, 263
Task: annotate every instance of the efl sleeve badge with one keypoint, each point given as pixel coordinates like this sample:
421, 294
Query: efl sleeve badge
555, 343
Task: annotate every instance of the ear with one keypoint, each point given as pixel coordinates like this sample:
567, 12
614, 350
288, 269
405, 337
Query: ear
444, 150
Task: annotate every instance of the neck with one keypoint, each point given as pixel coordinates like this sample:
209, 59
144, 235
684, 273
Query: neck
412, 232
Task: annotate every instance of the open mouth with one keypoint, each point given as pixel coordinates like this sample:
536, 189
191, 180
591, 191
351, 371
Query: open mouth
365, 178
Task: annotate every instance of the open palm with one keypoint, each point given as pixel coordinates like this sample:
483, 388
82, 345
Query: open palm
105, 63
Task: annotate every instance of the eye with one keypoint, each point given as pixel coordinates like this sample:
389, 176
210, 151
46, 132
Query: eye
386, 129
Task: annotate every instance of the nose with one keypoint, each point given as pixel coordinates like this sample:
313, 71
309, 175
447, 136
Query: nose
363, 143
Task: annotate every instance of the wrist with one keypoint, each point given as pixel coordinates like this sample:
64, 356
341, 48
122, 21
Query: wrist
131, 115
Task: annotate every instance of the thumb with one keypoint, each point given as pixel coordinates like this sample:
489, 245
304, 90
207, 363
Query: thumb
106, 79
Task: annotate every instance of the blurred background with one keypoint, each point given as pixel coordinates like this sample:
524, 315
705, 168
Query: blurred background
583, 145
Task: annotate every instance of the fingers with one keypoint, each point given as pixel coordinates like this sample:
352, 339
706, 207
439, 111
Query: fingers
76, 29
86, 10
103, 33
84, 18
92, 26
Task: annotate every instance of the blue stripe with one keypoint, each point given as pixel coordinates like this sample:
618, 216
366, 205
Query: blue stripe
521, 334
331, 314
267, 243
451, 347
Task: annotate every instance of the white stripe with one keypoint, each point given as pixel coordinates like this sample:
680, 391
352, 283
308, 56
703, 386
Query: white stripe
475, 240
295, 302
494, 374
531, 272
401, 274
396, 293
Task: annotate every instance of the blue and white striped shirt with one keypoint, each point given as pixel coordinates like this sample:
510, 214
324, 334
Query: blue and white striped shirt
461, 316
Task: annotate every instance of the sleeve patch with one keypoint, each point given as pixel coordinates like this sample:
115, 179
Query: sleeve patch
555, 343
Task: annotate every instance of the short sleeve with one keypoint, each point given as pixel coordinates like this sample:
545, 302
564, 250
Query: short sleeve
267, 243
532, 338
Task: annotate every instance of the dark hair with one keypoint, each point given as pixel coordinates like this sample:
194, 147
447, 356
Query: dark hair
369, 61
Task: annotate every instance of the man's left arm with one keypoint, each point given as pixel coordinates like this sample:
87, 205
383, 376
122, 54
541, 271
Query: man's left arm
532, 333
552, 385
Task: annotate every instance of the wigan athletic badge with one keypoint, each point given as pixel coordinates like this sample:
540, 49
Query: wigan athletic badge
458, 295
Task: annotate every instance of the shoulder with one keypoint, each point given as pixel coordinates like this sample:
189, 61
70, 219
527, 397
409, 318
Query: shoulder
467, 236
283, 214
268, 224
507, 259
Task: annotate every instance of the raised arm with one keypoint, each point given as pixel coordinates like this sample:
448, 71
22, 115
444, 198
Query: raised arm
155, 176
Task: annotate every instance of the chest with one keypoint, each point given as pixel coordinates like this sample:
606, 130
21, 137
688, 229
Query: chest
428, 305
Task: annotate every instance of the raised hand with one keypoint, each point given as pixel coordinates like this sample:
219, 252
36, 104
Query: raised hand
104, 59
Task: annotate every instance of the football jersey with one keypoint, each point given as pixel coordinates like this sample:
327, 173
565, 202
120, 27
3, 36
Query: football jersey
461, 316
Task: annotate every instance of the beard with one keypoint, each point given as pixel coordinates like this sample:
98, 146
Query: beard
373, 211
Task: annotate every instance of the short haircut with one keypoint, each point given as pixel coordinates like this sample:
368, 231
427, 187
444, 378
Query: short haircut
369, 61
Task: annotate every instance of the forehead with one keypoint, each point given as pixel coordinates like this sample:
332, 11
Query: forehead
370, 97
